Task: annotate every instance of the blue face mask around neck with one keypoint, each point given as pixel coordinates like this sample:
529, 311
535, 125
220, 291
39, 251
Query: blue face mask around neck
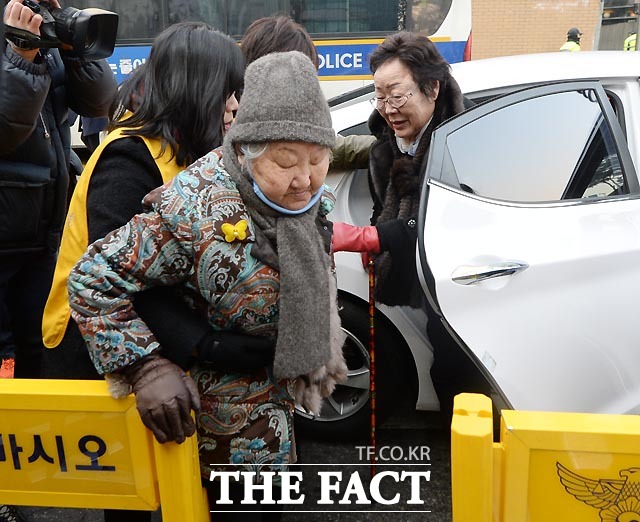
275, 206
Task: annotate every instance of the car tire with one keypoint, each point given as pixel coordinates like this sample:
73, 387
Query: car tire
346, 415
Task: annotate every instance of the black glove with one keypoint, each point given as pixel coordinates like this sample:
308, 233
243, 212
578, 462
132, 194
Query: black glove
397, 234
165, 396
177, 327
186, 336
235, 352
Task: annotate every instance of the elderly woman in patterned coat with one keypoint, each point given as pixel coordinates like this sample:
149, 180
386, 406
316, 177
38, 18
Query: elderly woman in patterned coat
242, 233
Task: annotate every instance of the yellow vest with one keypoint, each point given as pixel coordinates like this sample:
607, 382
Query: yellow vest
75, 237
570, 46
630, 42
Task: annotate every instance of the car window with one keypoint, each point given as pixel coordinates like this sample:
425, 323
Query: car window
550, 148
362, 129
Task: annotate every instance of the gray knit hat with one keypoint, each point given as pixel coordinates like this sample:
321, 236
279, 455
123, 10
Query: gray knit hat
282, 101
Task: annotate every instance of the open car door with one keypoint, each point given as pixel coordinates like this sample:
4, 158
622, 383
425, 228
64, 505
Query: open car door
530, 247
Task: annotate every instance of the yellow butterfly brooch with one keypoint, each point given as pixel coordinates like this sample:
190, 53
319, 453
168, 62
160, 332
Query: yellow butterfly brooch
233, 232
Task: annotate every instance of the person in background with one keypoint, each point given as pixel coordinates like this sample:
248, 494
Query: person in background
276, 34
280, 33
39, 86
630, 42
90, 129
163, 119
237, 231
573, 40
414, 93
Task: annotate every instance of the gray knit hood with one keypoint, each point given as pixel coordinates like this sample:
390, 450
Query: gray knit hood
282, 101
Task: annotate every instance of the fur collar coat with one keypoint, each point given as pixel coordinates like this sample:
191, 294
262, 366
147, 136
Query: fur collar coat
395, 181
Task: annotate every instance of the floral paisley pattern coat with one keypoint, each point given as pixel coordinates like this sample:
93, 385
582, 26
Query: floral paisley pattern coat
199, 236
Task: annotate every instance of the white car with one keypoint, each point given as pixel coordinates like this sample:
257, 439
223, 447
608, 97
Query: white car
530, 246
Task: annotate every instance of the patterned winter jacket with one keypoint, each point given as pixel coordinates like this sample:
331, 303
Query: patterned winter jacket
198, 236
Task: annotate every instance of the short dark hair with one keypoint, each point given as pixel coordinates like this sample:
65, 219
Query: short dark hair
179, 94
418, 54
276, 34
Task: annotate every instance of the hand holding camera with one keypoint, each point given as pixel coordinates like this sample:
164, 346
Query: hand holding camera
23, 17
88, 33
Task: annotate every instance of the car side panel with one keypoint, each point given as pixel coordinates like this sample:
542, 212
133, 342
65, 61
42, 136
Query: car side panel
563, 334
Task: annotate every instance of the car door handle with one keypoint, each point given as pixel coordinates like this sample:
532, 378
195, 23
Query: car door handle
469, 275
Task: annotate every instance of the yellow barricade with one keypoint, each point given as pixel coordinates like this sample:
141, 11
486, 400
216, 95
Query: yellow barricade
547, 466
69, 444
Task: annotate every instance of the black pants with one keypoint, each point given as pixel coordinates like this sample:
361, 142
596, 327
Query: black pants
452, 372
250, 513
25, 281
91, 141
70, 359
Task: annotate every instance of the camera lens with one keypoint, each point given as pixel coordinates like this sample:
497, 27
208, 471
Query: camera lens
65, 23
93, 33
90, 32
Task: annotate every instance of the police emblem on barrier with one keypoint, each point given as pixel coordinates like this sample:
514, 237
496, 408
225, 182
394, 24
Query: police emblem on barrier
617, 499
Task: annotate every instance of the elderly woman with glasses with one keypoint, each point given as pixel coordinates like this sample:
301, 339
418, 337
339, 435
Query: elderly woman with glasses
414, 93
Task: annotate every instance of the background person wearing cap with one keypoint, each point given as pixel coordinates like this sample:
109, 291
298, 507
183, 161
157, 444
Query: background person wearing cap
237, 231
573, 40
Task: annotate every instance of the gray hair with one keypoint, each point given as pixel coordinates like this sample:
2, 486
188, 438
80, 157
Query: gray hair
253, 151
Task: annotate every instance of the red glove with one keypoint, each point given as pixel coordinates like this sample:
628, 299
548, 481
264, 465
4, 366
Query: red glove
349, 238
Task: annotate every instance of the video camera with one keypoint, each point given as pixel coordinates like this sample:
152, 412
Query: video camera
91, 32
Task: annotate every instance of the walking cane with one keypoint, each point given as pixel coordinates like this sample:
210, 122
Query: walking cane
372, 365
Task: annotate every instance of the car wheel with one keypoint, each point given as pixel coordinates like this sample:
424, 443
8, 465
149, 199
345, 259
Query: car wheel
346, 414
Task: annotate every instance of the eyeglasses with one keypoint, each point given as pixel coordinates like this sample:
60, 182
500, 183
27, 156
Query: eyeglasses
395, 102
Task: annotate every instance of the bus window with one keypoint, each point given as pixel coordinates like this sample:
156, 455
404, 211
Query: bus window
345, 31
140, 20
197, 10
241, 14
319, 17
356, 16
426, 16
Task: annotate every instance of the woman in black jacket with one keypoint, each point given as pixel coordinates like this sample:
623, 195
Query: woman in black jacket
414, 93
